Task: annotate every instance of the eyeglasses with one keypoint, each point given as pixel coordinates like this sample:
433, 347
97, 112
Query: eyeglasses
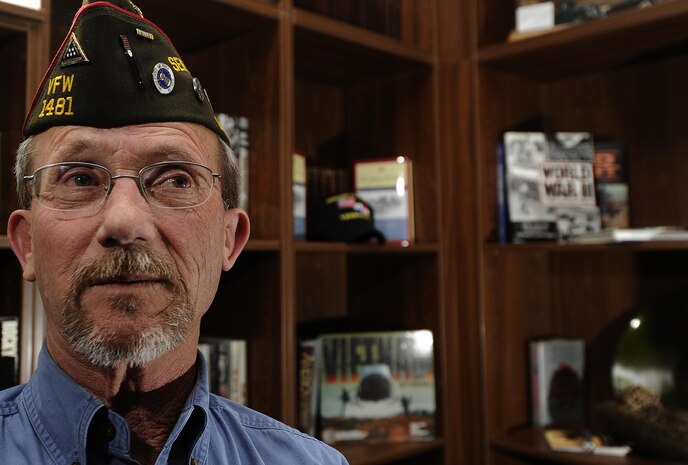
84, 187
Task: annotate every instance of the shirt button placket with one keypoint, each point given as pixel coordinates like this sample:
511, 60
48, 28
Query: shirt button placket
110, 431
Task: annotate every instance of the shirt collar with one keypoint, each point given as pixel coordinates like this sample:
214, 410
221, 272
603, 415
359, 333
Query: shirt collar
61, 411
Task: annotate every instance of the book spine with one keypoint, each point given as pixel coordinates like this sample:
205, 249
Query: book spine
307, 385
502, 214
538, 385
299, 194
238, 382
9, 351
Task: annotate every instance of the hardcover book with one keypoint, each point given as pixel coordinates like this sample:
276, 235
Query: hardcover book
557, 382
387, 186
308, 385
377, 387
9, 351
550, 185
236, 128
226, 361
611, 184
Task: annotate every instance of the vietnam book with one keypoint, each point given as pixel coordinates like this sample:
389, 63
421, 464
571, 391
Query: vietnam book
557, 382
377, 387
550, 185
387, 186
237, 130
9, 351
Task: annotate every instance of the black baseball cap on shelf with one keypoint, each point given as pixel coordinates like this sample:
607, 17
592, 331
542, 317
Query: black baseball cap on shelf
116, 68
342, 218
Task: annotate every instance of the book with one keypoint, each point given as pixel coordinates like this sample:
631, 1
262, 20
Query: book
550, 185
298, 172
9, 351
238, 389
649, 234
377, 387
611, 185
502, 214
557, 382
308, 385
226, 361
237, 130
387, 186
563, 440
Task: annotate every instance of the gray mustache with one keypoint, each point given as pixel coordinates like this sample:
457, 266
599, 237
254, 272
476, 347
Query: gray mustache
122, 264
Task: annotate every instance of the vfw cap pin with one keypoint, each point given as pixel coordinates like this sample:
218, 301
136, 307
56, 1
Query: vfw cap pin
163, 78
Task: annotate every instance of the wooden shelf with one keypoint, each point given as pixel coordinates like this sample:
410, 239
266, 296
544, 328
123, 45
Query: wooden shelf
222, 20
258, 245
529, 443
22, 12
373, 42
591, 248
379, 454
316, 247
595, 45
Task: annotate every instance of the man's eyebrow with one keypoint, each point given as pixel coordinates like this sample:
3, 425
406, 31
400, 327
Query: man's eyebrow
173, 152
75, 148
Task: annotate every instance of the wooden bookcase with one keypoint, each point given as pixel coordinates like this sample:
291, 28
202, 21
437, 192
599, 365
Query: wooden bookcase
619, 78
338, 93
24, 44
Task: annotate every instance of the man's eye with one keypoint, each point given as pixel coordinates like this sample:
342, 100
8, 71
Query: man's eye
82, 180
179, 181
79, 178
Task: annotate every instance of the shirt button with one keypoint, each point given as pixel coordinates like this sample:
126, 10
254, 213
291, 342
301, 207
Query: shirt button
110, 432
194, 462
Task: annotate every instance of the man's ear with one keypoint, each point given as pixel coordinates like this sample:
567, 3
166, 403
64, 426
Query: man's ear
237, 230
19, 233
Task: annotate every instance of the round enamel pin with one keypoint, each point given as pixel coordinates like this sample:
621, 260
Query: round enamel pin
198, 89
163, 78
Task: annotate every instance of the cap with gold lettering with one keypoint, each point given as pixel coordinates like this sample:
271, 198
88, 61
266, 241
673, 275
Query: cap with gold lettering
116, 68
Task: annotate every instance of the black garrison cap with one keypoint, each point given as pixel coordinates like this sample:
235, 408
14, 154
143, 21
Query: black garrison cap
114, 69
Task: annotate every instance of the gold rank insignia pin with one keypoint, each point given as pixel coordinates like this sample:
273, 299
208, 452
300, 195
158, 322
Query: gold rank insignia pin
144, 34
73, 53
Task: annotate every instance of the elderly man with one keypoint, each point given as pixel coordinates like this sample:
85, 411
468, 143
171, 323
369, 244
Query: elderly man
129, 194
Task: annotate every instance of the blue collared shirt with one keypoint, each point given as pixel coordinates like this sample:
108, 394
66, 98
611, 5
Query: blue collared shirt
52, 420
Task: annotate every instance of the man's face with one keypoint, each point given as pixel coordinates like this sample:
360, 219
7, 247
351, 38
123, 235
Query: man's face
131, 281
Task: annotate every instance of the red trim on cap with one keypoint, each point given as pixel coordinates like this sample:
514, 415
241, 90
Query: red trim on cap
69, 34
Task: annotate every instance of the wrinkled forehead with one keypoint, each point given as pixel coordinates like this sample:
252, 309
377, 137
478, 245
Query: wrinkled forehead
130, 146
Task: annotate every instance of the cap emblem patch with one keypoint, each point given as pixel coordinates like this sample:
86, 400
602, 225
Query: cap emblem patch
163, 78
73, 53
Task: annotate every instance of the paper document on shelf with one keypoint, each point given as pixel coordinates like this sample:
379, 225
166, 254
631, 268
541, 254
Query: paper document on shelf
657, 233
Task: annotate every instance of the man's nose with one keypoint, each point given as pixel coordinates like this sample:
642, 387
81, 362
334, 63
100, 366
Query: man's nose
126, 215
